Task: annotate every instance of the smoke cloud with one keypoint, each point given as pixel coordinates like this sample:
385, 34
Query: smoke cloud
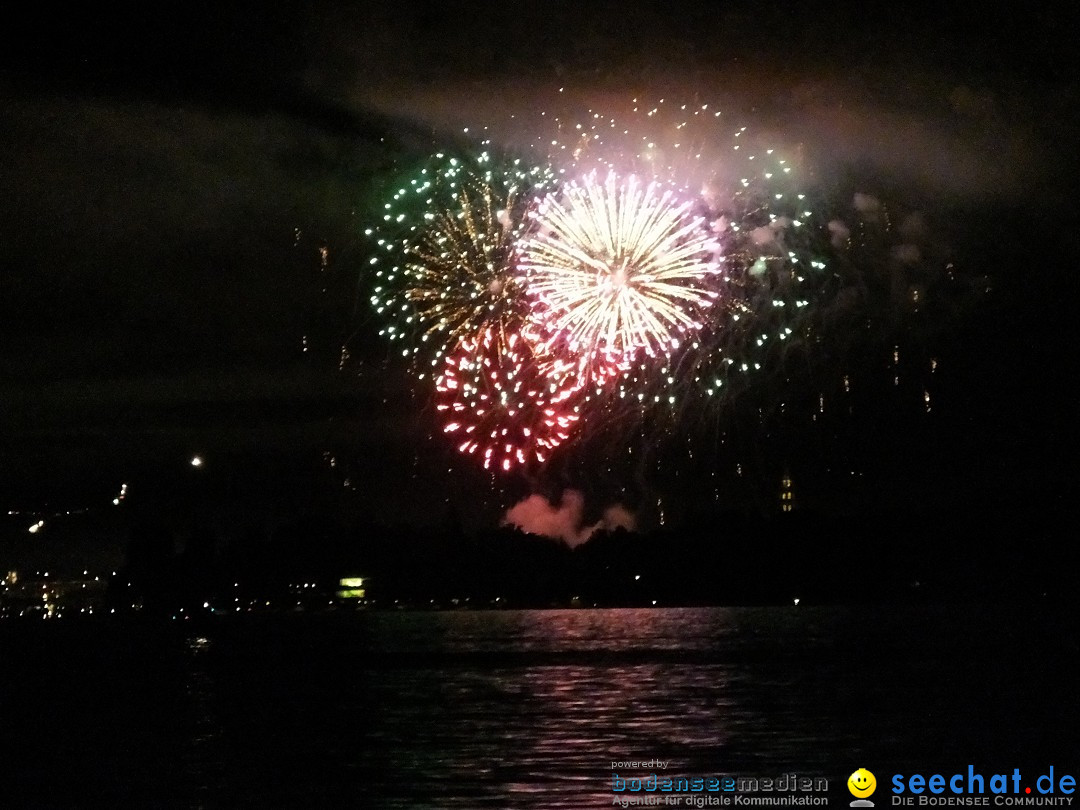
565, 519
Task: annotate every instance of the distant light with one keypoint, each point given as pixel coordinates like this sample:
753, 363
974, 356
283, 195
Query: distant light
351, 582
196, 461
796, 600
637, 577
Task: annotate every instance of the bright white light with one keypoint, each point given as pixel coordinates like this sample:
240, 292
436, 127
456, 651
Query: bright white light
618, 265
196, 461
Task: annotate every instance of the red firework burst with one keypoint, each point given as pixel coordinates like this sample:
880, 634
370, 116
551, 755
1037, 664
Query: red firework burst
504, 400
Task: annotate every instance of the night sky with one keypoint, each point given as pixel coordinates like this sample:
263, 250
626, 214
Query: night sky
172, 174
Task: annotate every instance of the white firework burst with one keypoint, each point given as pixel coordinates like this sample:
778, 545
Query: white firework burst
617, 267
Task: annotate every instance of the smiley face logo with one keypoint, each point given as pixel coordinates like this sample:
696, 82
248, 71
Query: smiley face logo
861, 783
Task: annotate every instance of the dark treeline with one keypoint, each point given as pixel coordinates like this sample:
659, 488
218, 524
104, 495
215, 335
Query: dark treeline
722, 559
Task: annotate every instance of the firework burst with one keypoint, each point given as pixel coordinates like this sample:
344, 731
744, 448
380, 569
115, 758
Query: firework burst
460, 270
442, 266
505, 402
617, 267
615, 313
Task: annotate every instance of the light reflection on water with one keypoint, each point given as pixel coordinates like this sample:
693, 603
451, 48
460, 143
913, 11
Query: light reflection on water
529, 708
563, 693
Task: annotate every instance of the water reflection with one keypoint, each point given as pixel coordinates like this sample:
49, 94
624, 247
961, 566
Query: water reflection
548, 699
201, 759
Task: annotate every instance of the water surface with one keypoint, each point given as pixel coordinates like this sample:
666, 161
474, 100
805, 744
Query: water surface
522, 709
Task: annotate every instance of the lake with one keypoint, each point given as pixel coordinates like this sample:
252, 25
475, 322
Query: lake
524, 709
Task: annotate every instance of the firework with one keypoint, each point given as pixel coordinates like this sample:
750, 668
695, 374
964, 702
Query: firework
617, 267
692, 146
612, 311
503, 401
774, 248
442, 269
460, 270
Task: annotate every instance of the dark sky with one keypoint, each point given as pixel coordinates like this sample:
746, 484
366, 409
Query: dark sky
170, 174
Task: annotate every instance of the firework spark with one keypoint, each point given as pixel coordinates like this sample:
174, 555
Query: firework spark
617, 267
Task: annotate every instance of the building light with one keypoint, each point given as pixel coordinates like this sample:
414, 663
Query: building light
351, 588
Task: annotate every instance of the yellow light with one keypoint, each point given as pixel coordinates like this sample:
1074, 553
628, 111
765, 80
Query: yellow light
351, 582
